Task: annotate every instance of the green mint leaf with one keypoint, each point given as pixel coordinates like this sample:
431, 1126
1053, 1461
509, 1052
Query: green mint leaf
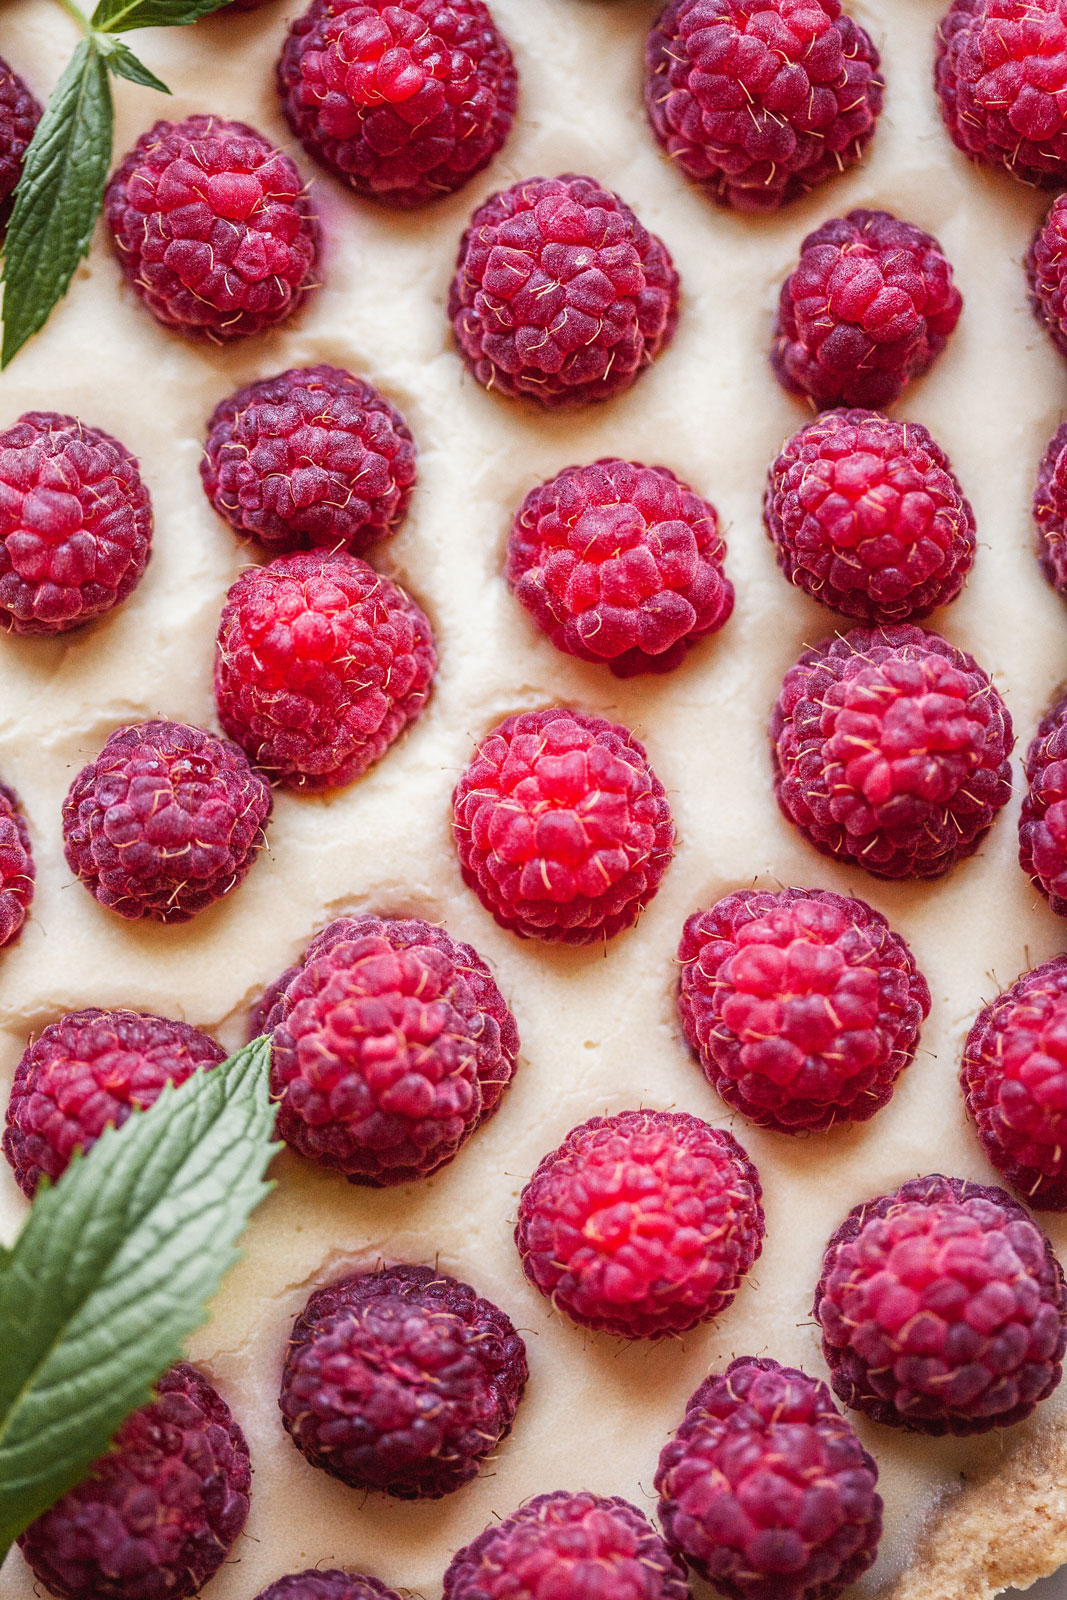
113, 1269
120, 16
124, 64
58, 197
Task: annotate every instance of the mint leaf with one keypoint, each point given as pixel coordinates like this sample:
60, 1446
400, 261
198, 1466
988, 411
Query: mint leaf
58, 197
119, 16
113, 1268
124, 64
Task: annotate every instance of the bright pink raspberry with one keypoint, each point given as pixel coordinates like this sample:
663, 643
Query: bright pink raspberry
20, 113
641, 1224
1046, 272
213, 227
401, 1380
167, 820
621, 564
327, 1584
942, 1308
17, 871
1050, 511
568, 1547
804, 1007
87, 1072
890, 749
321, 665
866, 515
563, 829
1043, 820
759, 101
314, 456
868, 307
1001, 79
766, 1490
159, 1514
403, 100
560, 294
75, 523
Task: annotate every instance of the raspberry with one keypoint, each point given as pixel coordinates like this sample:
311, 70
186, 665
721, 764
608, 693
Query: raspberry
401, 1380
1050, 511
866, 515
213, 228
620, 563
75, 523
321, 665
157, 1515
87, 1072
1043, 820
560, 294
765, 1488
403, 102
942, 1308
566, 1546
316, 1584
19, 116
759, 101
1046, 271
1001, 78
641, 1224
165, 821
803, 1007
563, 830
314, 456
392, 1044
890, 749
869, 306
17, 871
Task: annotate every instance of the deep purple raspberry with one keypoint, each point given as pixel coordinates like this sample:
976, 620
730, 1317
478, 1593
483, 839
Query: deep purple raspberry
327, 1584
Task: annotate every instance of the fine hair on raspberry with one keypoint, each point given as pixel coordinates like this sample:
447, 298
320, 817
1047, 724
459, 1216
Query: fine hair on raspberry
621, 564
641, 1224
20, 112
1050, 511
17, 870
760, 101
401, 1380
1043, 818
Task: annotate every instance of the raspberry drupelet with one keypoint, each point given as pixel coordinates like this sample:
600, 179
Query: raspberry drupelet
641, 1224
17, 871
75, 523
760, 101
313, 456
867, 516
213, 228
560, 293
942, 1309
620, 563
329, 1584
1050, 511
868, 307
1046, 273
159, 1514
20, 113
391, 1045
562, 828
891, 749
803, 1007
321, 664
1001, 78
766, 1490
1043, 819
568, 1547
87, 1072
167, 820
404, 101
401, 1380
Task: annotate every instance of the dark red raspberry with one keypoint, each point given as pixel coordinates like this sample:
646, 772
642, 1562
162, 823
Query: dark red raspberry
621, 564
765, 1488
563, 830
314, 456
392, 1043
321, 665
759, 101
1046, 271
869, 306
867, 516
19, 116
641, 1224
402, 101
804, 1007
942, 1308
157, 1515
1050, 511
87, 1072
75, 523
1002, 81
560, 294
890, 749
213, 227
165, 821
316, 1584
401, 1380
1043, 821
17, 871
566, 1546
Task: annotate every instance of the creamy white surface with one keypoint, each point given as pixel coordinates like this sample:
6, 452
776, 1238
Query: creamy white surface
598, 1028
